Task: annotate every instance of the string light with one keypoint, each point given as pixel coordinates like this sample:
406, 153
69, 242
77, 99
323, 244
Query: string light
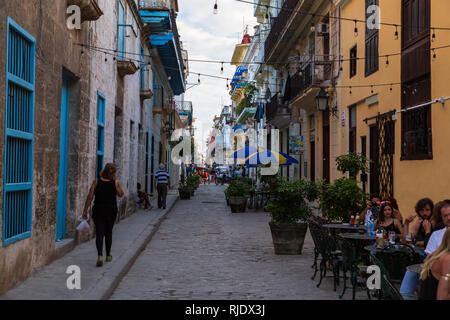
434, 35
221, 69
396, 32
371, 91
356, 28
350, 90
216, 8
340, 60
387, 61
434, 54
199, 82
390, 89
313, 26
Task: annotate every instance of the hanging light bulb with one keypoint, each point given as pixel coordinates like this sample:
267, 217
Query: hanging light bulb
350, 90
313, 26
387, 60
434, 55
267, 14
371, 91
216, 8
356, 29
221, 69
396, 32
434, 35
199, 82
390, 88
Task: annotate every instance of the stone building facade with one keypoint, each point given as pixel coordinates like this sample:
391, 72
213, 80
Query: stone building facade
89, 101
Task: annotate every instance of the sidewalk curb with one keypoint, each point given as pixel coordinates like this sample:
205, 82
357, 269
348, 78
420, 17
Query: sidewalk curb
135, 254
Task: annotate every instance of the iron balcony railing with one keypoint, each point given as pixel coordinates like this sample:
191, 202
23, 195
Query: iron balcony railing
312, 73
278, 26
272, 107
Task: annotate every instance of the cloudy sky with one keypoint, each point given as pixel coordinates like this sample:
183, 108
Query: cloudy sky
211, 37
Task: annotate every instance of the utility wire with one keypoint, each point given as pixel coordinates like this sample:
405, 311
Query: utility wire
343, 18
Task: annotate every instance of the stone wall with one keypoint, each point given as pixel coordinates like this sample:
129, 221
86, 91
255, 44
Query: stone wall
56, 53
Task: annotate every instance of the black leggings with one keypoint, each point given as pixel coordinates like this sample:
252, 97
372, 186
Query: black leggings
103, 229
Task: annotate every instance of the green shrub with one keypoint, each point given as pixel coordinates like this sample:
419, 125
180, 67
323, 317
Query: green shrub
352, 163
237, 189
290, 201
342, 199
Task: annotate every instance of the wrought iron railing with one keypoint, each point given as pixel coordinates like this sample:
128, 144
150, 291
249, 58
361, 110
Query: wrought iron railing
311, 73
280, 22
272, 107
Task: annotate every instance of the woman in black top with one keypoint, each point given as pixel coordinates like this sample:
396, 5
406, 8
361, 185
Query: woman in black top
387, 221
435, 275
104, 212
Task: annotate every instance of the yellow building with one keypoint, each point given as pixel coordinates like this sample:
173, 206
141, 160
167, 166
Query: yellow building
398, 125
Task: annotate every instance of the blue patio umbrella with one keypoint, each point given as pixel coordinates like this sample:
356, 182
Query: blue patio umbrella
258, 156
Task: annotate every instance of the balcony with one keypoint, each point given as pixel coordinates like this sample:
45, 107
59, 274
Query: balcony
162, 30
246, 114
90, 10
306, 84
290, 24
261, 10
126, 67
277, 115
185, 110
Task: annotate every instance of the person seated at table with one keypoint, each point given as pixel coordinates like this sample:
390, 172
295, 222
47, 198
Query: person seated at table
371, 211
393, 202
437, 236
441, 218
387, 221
143, 198
421, 228
435, 275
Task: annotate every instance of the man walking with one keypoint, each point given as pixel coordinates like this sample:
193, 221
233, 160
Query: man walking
162, 183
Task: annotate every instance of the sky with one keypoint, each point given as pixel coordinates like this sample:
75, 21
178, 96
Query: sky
211, 37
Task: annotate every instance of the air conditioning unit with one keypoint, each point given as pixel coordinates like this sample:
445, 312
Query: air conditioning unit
323, 29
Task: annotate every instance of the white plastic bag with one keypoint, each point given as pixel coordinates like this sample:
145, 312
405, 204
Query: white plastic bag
84, 226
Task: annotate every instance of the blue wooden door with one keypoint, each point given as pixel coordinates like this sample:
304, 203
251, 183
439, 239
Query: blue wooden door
63, 142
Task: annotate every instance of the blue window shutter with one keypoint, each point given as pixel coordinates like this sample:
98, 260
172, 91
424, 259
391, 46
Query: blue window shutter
19, 134
100, 132
121, 31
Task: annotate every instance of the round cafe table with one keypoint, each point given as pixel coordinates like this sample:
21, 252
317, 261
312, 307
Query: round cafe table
344, 226
357, 236
393, 249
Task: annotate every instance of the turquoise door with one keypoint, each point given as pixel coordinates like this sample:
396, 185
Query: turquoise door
63, 141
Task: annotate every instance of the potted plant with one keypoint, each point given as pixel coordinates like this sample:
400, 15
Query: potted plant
342, 199
290, 209
238, 194
185, 190
192, 183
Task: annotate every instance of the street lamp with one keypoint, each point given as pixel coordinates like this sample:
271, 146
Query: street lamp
322, 100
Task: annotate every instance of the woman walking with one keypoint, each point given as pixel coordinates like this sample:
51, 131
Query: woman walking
105, 189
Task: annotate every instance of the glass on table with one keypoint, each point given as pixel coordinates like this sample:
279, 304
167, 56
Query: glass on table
391, 236
409, 239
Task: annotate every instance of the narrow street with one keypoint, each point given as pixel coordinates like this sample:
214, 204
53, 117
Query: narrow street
203, 251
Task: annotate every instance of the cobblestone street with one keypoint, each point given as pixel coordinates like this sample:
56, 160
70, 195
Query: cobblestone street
203, 251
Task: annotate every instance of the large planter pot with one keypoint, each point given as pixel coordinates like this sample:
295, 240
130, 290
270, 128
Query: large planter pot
288, 238
185, 194
238, 204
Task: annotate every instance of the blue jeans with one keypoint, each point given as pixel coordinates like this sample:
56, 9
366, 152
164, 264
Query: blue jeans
410, 282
